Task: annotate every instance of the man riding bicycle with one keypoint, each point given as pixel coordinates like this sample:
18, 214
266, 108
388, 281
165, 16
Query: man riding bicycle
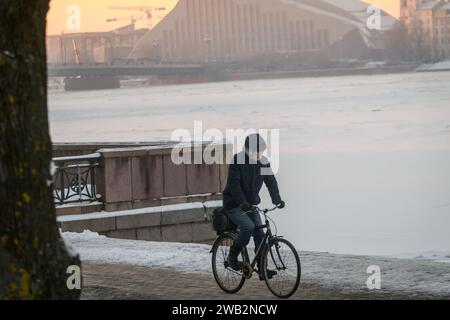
241, 193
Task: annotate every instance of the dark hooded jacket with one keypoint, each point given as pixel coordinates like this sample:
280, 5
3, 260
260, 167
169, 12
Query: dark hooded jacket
245, 181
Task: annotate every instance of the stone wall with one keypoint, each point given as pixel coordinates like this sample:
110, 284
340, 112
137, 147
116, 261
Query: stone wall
145, 196
135, 178
173, 223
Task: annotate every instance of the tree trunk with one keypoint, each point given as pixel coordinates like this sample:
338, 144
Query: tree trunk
33, 257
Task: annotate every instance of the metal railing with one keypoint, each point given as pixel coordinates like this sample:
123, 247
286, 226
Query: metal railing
75, 179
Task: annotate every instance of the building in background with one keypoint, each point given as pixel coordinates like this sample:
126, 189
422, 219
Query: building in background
239, 30
428, 25
93, 47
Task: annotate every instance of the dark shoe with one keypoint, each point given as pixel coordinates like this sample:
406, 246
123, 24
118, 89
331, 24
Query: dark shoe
270, 274
233, 259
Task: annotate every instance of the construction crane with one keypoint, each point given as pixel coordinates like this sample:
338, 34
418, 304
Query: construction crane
132, 19
148, 10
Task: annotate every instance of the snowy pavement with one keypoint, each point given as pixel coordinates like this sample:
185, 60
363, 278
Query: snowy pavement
118, 281
346, 272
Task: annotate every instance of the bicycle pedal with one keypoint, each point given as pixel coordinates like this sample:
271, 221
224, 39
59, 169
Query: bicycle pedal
247, 270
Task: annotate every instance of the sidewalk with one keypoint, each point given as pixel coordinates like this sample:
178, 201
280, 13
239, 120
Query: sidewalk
120, 281
130, 269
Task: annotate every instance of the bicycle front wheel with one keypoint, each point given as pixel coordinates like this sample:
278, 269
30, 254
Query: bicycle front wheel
281, 268
229, 280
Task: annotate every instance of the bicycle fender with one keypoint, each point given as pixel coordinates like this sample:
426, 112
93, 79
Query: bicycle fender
276, 238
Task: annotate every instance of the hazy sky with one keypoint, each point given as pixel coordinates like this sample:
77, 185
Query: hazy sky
94, 13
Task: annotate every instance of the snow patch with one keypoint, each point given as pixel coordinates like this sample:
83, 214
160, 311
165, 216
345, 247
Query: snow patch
76, 158
182, 257
439, 66
166, 208
70, 249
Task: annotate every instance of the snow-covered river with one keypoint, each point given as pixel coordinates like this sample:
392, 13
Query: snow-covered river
365, 160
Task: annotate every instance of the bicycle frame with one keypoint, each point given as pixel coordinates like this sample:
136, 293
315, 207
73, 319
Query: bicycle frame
273, 260
267, 236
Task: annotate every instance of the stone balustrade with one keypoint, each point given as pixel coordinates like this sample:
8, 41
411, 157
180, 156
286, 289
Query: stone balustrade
146, 196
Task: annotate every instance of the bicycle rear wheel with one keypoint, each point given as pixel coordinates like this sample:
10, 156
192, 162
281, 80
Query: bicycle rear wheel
281, 257
229, 280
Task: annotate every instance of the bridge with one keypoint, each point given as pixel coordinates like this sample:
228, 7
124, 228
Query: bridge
124, 70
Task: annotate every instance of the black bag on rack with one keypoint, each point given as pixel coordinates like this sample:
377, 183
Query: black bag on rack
220, 221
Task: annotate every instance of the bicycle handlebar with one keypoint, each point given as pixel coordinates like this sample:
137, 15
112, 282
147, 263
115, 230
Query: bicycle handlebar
265, 210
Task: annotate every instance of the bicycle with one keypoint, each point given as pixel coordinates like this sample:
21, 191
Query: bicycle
279, 255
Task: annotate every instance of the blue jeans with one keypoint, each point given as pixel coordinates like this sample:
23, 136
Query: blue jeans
247, 223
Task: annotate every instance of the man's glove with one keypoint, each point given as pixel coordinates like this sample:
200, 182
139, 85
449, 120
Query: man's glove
246, 206
281, 204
